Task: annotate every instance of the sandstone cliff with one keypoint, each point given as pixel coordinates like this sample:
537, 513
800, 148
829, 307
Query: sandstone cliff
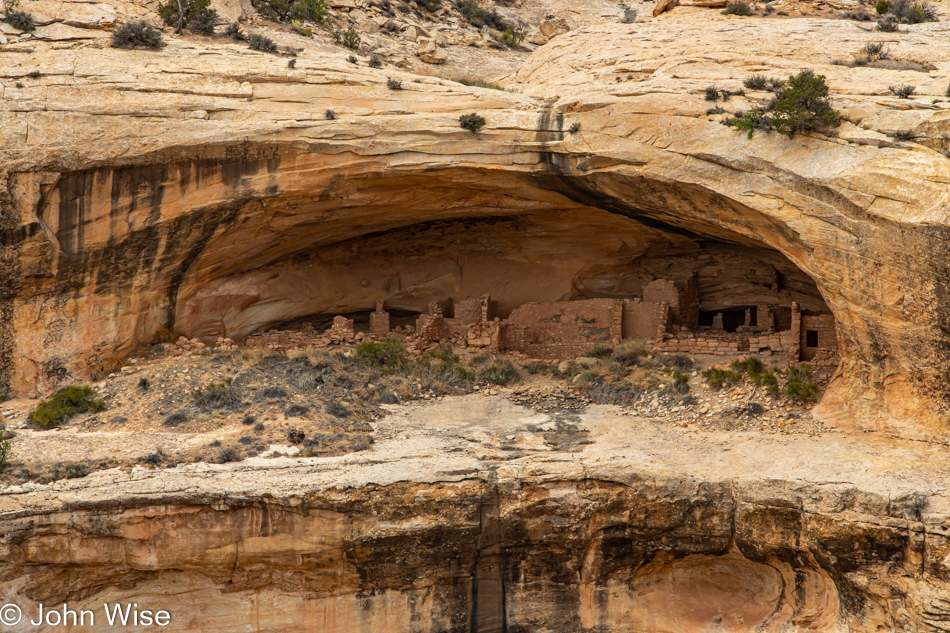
449, 525
202, 188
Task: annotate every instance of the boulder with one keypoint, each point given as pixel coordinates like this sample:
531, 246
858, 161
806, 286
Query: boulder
414, 32
430, 53
538, 38
551, 28
664, 5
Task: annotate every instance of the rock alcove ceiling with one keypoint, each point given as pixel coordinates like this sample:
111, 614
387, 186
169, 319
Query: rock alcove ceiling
238, 239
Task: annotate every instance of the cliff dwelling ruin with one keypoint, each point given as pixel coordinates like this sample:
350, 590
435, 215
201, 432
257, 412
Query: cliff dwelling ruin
653, 374
668, 314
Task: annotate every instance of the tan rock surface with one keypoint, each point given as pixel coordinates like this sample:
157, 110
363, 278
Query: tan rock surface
640, 528
429, 51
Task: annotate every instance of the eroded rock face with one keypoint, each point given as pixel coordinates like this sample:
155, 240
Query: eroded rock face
200, 193
558, 555
462, 518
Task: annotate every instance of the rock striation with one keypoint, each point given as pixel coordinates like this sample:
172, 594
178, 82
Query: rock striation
441, 527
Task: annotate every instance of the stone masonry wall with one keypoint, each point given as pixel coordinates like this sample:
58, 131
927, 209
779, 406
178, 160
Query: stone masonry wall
640, 318
566, 328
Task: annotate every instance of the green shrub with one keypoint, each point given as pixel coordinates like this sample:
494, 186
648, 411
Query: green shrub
4, 389
20, 20
374, 61
755, 369
535, 367
261, 43
472, 12
911, 11
719, 378
5, 450
349, 38
514, 35
472, 122
234, 31
330, 114
136, 35
738, 7
393, 84
803, 105
881, 6
293, 10
64, 404
680, 381
752, 120
751, 366
574, 129
799, 386
196, 15
389, 355
712, 93
204, 22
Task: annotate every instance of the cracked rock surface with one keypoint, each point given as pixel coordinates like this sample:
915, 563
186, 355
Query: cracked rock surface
639, 528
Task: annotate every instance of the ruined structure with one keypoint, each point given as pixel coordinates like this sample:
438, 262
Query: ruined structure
201, 189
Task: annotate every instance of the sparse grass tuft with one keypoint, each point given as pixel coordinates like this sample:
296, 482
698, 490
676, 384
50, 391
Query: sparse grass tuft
902, 91
216, 396
756, 82
888, 24
903, 135
873, 51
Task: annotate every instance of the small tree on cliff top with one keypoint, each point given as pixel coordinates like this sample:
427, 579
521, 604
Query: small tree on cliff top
801, 106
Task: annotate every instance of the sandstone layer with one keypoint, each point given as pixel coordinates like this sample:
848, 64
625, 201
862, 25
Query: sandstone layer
203, 189
463, 517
